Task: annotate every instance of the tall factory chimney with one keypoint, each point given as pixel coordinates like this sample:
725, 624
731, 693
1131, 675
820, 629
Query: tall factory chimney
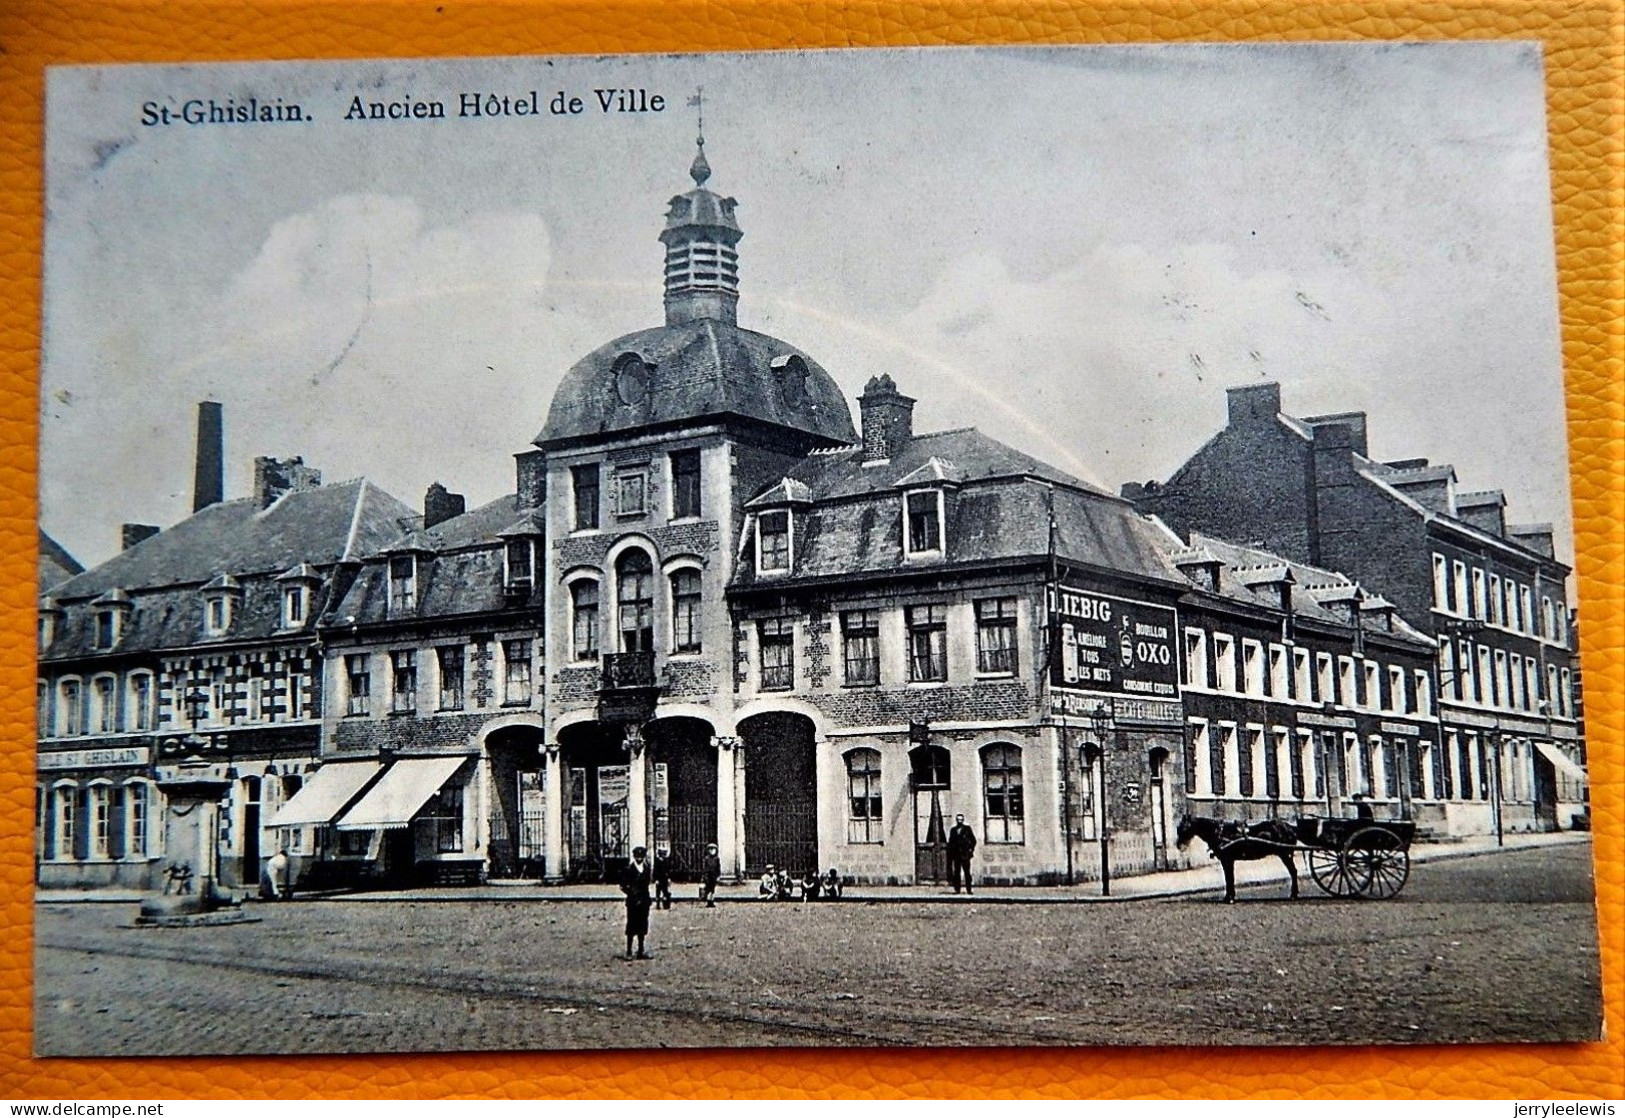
209, 485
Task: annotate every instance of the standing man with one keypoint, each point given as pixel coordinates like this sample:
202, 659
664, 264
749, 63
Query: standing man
961, 845
635, 881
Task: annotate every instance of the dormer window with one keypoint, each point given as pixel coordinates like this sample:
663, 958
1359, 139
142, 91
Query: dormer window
112, 610
106, 628
519, 565
297, 583
295, 605
922, 522
773, 541
220, 605
49, 614
403, 584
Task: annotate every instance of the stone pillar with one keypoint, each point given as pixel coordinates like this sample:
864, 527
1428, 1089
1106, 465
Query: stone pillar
740, 791
208, 834
727, 806
637, 789
554, 862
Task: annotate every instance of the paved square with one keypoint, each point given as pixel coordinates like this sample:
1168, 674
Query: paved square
1497, 947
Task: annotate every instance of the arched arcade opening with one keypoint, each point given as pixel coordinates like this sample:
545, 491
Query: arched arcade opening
517, 807
781, 791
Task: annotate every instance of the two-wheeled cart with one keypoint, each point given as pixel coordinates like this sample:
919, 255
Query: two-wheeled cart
1367, 858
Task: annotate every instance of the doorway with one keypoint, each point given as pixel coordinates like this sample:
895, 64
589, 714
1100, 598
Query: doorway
1158, 796
1545, 794
250, 872
931, 776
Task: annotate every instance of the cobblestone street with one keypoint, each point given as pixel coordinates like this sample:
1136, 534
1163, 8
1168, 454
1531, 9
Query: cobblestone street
1495, 947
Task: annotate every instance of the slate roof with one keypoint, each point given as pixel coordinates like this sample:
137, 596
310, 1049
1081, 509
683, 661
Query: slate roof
1240, 566
320, 526
701, 369
973, 455
171, 619
997, 510
234, 545
460, 569
56, 566
486, 524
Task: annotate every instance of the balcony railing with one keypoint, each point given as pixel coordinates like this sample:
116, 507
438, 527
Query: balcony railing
625, 671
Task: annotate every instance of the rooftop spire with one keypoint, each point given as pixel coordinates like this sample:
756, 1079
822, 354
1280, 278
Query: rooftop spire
702, 266
700, 170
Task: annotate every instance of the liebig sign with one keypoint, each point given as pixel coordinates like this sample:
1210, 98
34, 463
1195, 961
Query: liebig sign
1103, 643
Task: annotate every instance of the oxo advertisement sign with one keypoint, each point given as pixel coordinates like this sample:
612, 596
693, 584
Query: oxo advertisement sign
1103, 643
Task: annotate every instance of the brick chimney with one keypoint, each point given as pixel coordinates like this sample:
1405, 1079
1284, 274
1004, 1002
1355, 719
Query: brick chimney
1536, 537
132, 534
1252, 404
1351, 421
208, 478
274, 477
440, 505
888, 419
530, 478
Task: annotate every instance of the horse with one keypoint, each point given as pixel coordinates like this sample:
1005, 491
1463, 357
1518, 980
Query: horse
1232, 842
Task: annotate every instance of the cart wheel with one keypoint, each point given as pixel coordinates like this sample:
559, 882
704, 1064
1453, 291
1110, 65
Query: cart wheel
1332, 872
1378, 861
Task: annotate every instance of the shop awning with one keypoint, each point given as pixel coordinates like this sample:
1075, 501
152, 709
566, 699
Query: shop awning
400, 793
1561, 762
325, 794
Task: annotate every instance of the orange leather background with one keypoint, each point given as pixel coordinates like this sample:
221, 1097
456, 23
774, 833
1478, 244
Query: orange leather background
1586, 90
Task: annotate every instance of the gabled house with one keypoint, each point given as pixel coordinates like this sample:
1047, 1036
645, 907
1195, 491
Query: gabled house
1492, 594
180, 690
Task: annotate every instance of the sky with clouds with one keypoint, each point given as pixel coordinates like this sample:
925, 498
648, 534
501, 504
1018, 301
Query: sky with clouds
1076, 250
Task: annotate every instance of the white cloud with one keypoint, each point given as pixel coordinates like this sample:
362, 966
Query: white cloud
1092, 365
356, 308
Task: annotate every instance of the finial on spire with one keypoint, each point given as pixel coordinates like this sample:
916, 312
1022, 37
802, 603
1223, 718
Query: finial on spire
699, 170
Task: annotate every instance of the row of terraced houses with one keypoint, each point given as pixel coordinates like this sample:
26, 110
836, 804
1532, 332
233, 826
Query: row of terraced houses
714, 610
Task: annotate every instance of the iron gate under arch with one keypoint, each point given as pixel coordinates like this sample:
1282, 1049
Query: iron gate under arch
784, 835
689, 829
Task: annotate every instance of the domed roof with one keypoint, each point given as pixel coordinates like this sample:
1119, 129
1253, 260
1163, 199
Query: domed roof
701, 369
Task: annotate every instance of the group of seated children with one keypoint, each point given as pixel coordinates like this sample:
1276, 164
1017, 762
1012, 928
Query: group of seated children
779, 885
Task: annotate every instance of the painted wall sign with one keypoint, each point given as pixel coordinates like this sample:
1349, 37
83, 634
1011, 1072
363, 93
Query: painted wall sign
92, 758
1334, 721
1103, 643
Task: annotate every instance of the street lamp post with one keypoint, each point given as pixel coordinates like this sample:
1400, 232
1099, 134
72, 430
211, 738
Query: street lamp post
1066, 795
1101, 721
1495, 782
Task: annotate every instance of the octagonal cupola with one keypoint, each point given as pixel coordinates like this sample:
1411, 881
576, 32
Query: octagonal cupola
702, 265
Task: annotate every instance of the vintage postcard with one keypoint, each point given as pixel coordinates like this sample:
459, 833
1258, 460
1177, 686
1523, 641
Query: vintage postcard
937, 547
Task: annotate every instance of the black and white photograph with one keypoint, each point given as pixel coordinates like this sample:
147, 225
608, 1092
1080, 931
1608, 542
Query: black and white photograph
938, 547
